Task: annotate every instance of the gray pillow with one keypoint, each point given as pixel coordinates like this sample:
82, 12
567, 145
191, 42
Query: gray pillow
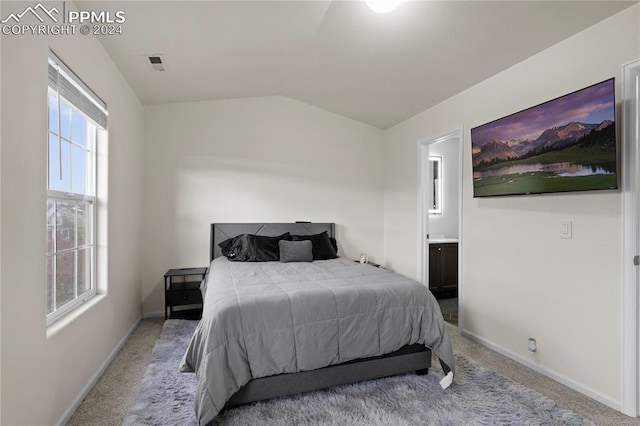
296, 251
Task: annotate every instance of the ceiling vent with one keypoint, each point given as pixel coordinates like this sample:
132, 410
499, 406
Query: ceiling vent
156, 61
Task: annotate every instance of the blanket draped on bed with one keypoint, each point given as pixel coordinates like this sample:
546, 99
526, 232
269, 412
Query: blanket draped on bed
267, 318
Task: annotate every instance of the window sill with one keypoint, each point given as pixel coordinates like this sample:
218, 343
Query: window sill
68, 318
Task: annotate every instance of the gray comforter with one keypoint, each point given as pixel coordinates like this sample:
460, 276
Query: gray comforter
268, 318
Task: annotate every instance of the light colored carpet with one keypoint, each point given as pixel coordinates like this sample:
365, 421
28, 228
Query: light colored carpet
477, 397
449, 309
108, 402
591, 409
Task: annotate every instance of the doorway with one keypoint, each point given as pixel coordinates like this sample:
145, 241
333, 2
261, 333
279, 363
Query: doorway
631, 239
440, 219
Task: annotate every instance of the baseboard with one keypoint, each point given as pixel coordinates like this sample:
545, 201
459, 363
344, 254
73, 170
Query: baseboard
158, 314
579, 387
85, 390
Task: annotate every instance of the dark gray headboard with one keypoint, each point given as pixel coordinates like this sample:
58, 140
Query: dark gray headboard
222, 231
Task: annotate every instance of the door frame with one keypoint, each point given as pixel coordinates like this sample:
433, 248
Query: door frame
423, 212
630, 161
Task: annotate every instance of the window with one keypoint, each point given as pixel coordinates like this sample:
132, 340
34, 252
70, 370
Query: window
76, 117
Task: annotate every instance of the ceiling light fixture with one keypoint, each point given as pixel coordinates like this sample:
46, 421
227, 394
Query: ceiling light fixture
382, 6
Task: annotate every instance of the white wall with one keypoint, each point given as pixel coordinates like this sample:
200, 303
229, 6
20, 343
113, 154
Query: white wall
267, 159
520, 279
447, 222
45, 369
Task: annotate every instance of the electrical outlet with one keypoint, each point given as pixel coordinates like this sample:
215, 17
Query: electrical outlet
533, 346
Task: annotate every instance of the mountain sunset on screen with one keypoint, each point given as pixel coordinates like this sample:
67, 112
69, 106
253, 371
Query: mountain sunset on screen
567, 144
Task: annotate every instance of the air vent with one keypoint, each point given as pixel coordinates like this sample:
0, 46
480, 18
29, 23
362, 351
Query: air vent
156, 61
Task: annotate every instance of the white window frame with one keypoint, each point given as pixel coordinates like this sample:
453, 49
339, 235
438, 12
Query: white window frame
90, 196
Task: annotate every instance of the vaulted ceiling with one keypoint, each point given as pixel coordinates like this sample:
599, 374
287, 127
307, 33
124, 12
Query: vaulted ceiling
336, 55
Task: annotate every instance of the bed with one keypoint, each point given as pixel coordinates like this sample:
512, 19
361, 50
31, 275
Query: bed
272, 329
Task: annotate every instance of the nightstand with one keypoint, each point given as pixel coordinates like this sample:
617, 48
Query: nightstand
182, 296
377, 265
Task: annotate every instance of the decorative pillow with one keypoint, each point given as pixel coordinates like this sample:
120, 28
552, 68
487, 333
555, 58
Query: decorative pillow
226, 245
322, 247
252, 248
334, 244
296, 251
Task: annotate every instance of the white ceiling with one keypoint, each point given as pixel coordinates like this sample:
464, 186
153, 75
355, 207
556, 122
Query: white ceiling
340, 56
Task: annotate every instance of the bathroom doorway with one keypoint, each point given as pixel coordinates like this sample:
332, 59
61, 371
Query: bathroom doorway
440, 224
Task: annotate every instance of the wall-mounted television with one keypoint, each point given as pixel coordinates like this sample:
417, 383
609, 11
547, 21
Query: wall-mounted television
565, 144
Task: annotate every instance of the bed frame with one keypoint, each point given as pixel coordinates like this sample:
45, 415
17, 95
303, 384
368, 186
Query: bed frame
407, 359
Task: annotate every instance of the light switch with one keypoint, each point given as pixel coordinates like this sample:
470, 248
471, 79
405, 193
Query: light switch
565, 230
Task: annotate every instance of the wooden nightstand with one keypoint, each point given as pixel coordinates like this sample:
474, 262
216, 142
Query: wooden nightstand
182, 291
